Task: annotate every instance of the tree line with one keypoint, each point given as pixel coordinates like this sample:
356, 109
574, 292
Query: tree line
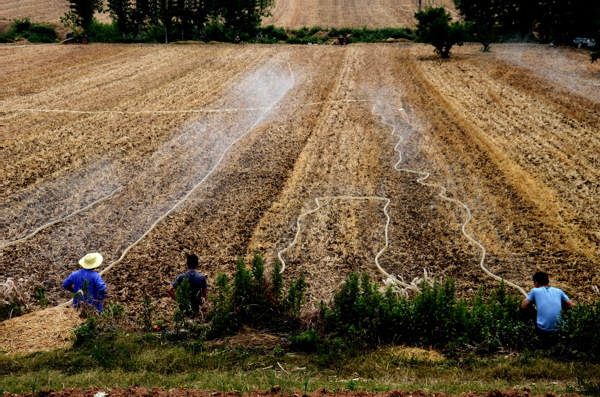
177, 19
493, 21
557, 21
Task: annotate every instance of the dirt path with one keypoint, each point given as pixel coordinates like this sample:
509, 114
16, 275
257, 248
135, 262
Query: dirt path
236, 142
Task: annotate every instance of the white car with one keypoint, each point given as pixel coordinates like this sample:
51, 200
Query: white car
581, 42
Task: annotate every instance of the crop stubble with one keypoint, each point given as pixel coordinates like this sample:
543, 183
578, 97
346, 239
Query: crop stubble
514, 145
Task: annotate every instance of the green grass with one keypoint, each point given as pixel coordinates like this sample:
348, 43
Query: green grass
152, 363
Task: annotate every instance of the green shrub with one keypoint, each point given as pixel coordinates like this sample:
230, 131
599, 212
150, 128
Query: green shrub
214, 31
104, 32
304, 40
271, 33
301, 33
366, 317
40, 295
41, 34
579, 335
308, 341
7, 37
253, 300
21, 26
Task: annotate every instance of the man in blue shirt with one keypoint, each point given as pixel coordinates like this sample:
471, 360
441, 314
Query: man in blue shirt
549, 302
198, 284
86, 284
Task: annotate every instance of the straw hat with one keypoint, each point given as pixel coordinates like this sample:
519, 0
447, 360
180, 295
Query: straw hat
91, 261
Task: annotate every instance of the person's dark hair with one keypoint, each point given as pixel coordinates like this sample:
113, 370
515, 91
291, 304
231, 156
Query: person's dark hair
192, 261
542, 278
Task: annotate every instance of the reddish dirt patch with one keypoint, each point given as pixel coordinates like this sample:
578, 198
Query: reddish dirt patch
275, 392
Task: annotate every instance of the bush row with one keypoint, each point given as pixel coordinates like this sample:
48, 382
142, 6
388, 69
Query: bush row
213, 31
24, 29
361, 316
364, 316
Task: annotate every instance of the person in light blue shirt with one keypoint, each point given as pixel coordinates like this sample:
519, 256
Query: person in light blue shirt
550, 302
86, 284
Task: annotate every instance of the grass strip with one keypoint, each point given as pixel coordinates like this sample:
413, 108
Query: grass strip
241, 369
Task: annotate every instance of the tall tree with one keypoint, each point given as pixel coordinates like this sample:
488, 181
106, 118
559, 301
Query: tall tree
82, 12
166, 11
435, 27
120, 12
562, 20
244, 16
482, 17
516, 18
140, 15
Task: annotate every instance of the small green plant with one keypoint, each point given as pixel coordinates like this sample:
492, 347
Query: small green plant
255, 301
588, 388
307, 341
146, 314
34, 387
306, 381
183, 293
351, 385
40, 295
87, 332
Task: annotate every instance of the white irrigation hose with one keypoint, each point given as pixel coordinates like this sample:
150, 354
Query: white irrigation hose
442, 194
59, 220
387, 241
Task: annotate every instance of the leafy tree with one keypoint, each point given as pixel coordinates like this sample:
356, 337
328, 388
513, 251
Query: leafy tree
517, 17
562, 20
244, 16
481, 17
434, 27
82, 13
165, 15
120, 12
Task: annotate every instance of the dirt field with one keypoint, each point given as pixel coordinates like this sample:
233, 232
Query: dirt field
39, 10
295, 14
292, 14
218, 150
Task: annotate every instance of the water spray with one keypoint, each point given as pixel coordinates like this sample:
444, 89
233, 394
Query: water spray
39, 229
258, 120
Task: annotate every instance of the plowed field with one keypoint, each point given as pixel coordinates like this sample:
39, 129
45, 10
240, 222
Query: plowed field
292, 14
354, 13
39, 10
218, 150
